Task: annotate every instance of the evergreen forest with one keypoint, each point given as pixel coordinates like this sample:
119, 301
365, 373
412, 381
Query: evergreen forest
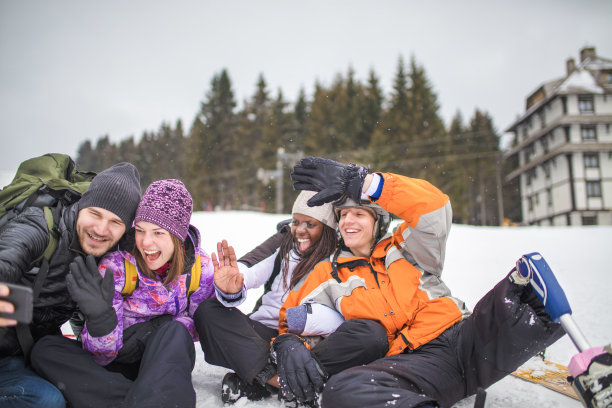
239, 157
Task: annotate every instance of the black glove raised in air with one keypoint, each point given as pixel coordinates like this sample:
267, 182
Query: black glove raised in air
332, 180
300, 375
93, 294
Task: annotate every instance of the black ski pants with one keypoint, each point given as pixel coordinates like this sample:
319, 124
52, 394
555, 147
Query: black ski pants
163, 378
230, 339
508, 326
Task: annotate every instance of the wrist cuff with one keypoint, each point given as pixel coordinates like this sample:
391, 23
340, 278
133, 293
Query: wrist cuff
103, 324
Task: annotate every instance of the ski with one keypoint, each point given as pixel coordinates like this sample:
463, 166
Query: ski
548, 374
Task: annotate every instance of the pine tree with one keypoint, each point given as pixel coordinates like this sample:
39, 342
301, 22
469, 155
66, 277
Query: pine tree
426, 128
214, 146
483, 169
371, 111
390, 141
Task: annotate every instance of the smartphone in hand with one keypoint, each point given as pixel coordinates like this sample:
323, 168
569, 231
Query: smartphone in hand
21, 297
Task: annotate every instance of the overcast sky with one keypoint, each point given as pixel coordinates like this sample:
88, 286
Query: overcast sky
77, 70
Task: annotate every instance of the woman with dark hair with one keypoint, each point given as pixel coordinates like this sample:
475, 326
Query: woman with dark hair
137, 344
234, 340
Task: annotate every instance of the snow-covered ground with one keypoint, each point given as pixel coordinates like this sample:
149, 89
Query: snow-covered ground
477, 258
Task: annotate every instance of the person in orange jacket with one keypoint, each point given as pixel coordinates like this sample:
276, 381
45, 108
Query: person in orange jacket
438, 351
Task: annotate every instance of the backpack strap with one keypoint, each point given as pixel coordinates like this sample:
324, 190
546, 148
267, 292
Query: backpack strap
131, 279
24, 335
268, 285
274, 274
194, 277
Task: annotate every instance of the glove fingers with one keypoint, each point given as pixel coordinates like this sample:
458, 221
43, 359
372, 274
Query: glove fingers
282, 382
92, 265
316, 380
296, 379
108, 286
325, 196
303, 186
77, 273
72, 286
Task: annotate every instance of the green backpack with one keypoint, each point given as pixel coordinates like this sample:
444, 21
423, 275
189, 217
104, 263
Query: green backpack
50, 182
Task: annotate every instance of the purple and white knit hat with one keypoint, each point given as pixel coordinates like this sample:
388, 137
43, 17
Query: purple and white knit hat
167, 203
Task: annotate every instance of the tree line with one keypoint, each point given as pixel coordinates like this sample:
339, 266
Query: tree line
227, 156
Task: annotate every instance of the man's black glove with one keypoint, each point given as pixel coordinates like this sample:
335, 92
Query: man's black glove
135, 339
300, 375
332, 180
93, 294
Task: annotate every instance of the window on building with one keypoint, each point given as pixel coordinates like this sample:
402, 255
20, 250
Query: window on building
566, 130
593, 188
549, 197
564, 103
530, 203
591, 160
589, 220
585, 104
542, 118
544, 142
546, 168
588, 133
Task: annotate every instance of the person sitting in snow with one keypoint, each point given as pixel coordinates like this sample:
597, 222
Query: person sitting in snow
137, 349
438, 352
91, 226
234, 340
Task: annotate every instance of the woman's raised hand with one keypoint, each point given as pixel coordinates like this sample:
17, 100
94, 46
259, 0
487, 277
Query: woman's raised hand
226, 274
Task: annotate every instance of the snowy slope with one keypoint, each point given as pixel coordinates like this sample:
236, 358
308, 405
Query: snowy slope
477, 258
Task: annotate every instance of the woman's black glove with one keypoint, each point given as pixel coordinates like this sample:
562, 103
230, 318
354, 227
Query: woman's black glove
93, 294
332, 180
300, 375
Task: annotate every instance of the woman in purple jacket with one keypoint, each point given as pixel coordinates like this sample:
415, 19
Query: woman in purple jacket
137, 348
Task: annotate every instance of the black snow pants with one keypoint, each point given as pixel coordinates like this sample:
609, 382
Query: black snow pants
231, 339
163, 379
508, 326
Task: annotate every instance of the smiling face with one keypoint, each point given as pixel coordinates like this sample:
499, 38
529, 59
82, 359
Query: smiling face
356, 226
306, 231
98, 230
154, 244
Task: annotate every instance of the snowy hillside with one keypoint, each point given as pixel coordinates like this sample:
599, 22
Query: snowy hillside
477, 258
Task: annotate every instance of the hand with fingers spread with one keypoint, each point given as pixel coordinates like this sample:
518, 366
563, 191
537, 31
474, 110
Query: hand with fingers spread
226, 274
93, 294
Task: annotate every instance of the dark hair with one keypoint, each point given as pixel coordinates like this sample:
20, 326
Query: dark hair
177, 262
312, 256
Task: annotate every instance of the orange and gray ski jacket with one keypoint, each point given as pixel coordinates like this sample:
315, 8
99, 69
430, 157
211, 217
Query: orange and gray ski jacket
399, 285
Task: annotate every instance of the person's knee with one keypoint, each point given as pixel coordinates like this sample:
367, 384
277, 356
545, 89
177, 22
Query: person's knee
27, 389
45, 349
336, 389
50, 396
372, 335
206, 308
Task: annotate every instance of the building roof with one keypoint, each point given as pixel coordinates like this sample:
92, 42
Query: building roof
582, 78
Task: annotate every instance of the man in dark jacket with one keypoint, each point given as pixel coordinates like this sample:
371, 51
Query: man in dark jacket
91, 226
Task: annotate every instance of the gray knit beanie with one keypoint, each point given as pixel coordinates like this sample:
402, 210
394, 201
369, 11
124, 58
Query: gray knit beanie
116, 189
168, 204
322, 213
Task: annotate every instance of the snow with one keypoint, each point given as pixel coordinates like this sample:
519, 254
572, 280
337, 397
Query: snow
580, 80
476, 259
